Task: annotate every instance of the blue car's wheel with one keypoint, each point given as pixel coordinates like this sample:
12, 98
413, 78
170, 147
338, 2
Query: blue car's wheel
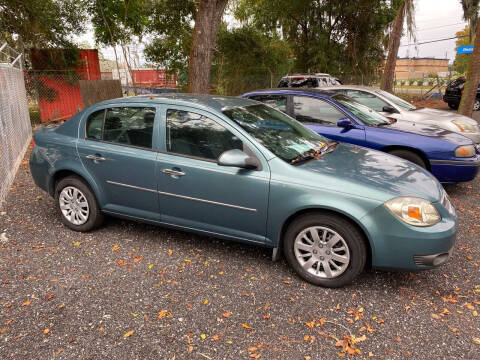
76, 204
325, 249
410, 156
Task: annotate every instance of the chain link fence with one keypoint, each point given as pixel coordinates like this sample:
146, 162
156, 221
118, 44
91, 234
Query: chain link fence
15, 128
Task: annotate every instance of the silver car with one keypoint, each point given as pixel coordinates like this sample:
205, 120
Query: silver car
392, 106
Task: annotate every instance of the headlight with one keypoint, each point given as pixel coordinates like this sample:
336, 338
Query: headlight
414, 211
465, 126
465, 151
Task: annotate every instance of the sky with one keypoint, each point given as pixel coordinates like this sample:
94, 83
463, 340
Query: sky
435, 19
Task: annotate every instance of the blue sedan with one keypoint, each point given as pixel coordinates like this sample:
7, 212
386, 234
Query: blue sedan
451, 157
240, 170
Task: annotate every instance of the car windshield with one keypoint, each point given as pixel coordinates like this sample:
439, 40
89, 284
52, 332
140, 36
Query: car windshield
278, 132
361, 112
396, 100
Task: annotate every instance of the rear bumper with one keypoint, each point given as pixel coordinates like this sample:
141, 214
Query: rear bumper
451, 99
455, 171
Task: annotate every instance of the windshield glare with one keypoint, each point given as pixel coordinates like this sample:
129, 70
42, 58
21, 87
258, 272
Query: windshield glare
279, 133
396, 100
361, 112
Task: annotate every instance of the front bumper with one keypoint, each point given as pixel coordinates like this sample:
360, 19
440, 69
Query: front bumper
455, 171
399, 246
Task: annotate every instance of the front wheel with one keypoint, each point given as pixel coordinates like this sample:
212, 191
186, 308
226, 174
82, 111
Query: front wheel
325, 249
76, 204
410, 156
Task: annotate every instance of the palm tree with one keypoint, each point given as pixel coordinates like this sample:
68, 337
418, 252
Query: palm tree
470, 14
406, 10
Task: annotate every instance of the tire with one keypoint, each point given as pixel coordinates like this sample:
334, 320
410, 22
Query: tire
308, 267
453, 106
74, 215
476, 105
410, 156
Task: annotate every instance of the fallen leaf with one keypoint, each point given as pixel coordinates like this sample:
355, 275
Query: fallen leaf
115, 247
310, 324
26, 303
476, 341
205, 302
397, 339
162, 314
288, 282
150, 266
170, 251
246, 326
255, 356
76, 243
226, 314
121, 263
128, 334
215, 337
4, 330
46, 331
137, 259
267, 316
252, 348
435, 316
49, 297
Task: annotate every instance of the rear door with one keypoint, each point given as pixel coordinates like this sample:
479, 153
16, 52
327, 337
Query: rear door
118, 150
195, 192
322, 117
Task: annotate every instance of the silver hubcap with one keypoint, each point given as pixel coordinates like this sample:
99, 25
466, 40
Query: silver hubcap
74, 205
322, 252
476, 105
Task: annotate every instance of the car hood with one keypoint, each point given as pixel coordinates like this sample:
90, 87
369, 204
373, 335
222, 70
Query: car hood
439, 116
370, 173
425, 129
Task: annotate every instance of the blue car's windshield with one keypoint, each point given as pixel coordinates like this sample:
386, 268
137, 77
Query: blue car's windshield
363, 113
279, 133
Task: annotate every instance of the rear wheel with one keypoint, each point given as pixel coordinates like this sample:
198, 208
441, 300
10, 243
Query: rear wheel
476, 105
76, 204
453, 106
410, 156
325, 249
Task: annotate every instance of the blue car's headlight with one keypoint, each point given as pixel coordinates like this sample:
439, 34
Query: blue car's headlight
414, 211
465, 151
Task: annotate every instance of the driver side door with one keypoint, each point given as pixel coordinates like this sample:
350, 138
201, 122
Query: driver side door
197, 193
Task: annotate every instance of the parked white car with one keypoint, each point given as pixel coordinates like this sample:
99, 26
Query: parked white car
393, 107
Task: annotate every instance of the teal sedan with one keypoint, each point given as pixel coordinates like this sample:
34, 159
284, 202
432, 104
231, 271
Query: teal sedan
240, 170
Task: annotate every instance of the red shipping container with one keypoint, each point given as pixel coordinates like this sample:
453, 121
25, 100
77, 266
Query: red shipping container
153, 78
67, 99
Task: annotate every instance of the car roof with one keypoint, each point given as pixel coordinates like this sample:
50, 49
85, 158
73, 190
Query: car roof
316, 91
356, 87
216, 102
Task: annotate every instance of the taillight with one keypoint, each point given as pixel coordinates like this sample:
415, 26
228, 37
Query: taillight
33, 142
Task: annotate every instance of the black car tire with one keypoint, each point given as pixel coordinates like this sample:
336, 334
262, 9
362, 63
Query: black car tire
476, 105
353, 237
95, 217
410, 156
453, 106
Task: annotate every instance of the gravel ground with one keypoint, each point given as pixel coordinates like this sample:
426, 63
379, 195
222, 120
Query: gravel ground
134, 291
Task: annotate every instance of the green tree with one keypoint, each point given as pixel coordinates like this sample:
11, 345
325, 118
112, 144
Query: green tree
406, 10
116, 22
41, 23
246, 59
461, 60
471, 14
342, 38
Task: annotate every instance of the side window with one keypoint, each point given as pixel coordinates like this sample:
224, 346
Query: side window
129, 126
311, 110
367, 99
278, 102
94, 125
196, 135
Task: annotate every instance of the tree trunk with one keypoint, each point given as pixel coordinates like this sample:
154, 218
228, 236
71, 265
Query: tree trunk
207, 20
473, 78
393, 45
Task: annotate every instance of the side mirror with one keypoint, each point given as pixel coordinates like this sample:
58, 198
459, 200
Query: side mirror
389, 109
237, 158
345, 123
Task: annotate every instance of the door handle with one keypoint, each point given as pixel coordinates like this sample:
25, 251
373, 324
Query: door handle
173, 172
95, 158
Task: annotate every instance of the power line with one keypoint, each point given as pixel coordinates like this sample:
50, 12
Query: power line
442, 26
438, 40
